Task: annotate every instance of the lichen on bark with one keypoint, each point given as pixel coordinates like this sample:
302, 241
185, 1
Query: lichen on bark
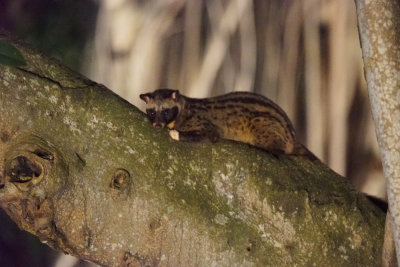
379, 28
93, 179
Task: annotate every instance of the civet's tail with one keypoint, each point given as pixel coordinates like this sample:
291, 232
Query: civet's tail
302, 150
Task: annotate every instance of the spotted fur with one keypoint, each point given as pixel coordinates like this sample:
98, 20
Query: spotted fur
241, 116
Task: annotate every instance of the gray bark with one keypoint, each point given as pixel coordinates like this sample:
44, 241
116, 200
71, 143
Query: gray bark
84, 171
379, 27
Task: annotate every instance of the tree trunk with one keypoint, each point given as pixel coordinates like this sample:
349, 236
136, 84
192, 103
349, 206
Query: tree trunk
379, 27
84, 171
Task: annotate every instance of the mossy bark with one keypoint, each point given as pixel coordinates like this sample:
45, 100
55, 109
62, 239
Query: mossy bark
84, 171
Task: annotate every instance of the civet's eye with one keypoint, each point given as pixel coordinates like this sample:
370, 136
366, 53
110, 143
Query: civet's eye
151, 113
167, 112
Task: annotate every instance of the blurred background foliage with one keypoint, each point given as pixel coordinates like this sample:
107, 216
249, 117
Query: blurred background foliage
303, 54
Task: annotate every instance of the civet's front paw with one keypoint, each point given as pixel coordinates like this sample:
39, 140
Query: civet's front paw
174, 134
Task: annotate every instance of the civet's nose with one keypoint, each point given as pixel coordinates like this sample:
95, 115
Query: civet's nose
157, 126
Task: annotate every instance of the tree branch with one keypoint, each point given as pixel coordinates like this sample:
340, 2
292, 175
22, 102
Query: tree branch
84, 171
379, 27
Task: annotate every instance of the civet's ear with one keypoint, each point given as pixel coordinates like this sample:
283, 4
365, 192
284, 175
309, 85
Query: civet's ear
146, 97
175, 94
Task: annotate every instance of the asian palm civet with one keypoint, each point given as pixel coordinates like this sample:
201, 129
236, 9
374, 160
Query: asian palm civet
241, 116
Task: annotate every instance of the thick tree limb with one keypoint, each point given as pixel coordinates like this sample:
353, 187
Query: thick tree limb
83, 169
379, 27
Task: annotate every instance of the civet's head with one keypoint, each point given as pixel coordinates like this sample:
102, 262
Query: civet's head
162, 107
